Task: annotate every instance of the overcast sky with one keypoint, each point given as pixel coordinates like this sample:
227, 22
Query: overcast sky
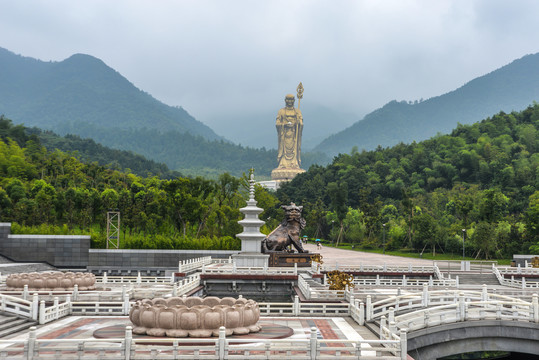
217, 57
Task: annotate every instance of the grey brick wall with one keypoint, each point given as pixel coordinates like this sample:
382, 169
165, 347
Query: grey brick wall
57, 250
143, 259
73, 251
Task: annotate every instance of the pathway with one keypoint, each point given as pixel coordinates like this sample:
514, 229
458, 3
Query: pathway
331, 256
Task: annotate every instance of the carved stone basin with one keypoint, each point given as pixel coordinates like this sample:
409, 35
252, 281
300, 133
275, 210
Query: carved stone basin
194, 316
51, 280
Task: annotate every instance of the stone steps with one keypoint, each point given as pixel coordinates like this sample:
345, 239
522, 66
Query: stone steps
478, 279
11, 324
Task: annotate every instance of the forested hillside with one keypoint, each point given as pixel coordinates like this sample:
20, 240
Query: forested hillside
482, 178
83, 96
510, 88
88, 151
83, 90
53, 192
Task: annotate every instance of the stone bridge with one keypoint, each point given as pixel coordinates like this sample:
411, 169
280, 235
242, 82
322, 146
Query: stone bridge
470, 336
443, 323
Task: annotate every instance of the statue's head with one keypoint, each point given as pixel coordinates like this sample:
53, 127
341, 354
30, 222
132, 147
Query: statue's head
292, 213
289, 100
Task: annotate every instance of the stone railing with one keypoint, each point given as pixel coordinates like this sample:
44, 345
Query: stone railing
406, 282
512, 282
217, 348
428, 298
319, 293
464, 310
139, 279
193, 264
233, 269
374, 268
19, 307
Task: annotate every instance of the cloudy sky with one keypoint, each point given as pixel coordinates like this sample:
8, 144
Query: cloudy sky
216, 57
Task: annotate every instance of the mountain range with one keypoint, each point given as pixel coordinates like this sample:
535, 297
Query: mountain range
510, 88
83, 96
82, 89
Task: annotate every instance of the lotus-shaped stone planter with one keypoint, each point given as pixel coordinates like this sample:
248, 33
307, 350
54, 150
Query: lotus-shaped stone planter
194, 316
52, 280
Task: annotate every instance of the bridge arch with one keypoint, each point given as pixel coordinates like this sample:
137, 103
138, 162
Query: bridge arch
470, 336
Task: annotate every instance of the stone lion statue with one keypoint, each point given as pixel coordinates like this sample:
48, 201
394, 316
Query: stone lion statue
287, 233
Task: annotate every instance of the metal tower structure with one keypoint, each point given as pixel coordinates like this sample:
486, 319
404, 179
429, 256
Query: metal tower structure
113, 229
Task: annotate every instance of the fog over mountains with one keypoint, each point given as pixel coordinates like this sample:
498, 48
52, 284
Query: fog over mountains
510, 88
82, 95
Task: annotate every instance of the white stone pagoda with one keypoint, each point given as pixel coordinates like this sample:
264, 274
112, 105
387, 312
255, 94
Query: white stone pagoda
251, 237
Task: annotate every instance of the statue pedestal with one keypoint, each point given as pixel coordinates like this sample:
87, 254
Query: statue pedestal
280, 259
285, 174
244, 259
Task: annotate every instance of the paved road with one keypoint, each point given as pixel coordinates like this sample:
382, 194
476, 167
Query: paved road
350, 257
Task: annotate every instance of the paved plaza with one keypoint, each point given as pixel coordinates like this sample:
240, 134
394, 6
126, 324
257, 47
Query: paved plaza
331, 256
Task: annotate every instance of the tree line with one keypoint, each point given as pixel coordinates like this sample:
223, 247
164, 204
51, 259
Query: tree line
477, 185
53, 191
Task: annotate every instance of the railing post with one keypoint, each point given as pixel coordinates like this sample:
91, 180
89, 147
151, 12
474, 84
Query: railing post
75, 292
42, 312
518, 269
457, 281
55, 308
404, 344
426, 318
382, 326
361, 266
369, 309
430, 281
535, 306
296, 305
31, 342
139, 278
105, 278
295, 268
404, 282
175, 290
361, 313
391, 314
425, 297
126, 304
68, 302
462, 307
179, 266
385, 267
523, 282
392, 328
128, 342
25, 292
377, 279
484, 294
313, 341
35, 306
222, 342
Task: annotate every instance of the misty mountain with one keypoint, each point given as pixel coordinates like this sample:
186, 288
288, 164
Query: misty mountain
83, 90
83, 96
257, 129
510, 88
